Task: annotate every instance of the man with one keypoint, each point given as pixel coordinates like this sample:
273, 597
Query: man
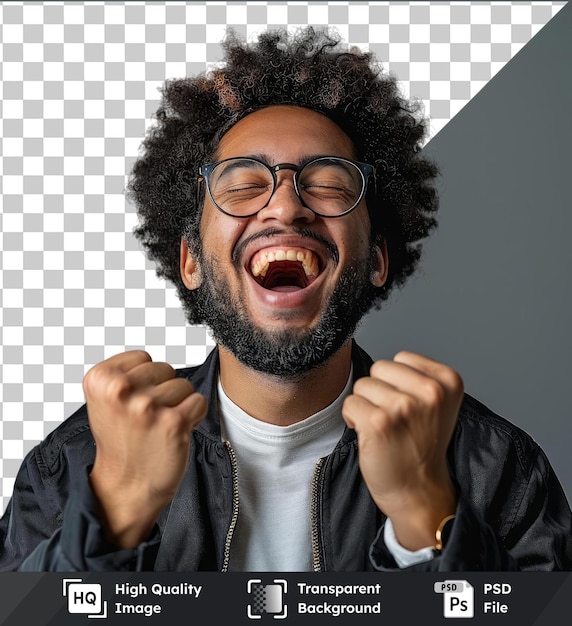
284, 196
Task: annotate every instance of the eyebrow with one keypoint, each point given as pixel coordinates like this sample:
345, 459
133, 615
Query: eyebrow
265, 158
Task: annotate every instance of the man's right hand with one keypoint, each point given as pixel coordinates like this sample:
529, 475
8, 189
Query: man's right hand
141, 417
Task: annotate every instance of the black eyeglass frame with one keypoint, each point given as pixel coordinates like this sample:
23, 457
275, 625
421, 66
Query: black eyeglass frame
365, 169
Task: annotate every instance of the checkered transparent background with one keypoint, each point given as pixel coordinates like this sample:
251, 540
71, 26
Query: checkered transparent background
79, 85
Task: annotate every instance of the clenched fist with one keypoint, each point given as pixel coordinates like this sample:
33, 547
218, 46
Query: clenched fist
404, 415
141, 417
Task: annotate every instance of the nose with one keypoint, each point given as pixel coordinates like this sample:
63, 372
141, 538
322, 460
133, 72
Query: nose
285, 205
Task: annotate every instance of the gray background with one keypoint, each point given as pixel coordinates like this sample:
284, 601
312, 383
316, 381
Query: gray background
493, 297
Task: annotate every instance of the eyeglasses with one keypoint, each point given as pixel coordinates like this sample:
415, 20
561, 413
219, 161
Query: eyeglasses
329, 186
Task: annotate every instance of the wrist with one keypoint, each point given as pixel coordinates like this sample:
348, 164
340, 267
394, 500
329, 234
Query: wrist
417, 523
125, 515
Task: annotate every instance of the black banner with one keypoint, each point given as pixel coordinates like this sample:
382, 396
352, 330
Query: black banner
52, 599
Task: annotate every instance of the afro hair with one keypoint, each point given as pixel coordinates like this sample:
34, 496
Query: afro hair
309, 68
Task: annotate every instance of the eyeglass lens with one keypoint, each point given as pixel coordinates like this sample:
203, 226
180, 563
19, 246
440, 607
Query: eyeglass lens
328, 186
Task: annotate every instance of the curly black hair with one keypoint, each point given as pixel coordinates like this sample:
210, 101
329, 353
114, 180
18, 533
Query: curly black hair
308, 68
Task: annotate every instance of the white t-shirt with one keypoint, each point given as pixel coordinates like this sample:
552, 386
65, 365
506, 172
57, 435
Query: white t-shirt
275, 469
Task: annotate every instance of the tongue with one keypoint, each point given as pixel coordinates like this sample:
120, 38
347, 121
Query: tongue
285, 276
285, 288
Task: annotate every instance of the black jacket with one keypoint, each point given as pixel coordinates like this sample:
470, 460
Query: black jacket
512, 513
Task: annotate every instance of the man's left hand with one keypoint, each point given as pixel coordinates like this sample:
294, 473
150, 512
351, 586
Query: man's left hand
404, 414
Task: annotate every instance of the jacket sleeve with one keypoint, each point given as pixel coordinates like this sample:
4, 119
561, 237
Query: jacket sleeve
54, 526
472, 546
80, 545
531, 530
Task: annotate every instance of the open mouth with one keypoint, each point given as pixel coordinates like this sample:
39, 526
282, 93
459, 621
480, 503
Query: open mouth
284, 269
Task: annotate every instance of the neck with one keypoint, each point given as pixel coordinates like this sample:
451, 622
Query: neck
280, 400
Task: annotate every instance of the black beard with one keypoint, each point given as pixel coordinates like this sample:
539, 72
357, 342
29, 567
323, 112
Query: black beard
286, 353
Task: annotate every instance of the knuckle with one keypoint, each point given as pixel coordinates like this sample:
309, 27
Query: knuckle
406, 406
377, 369
168, 369
433, 392
404, 356
143, 355
138, 356
450, 380
174, 424
454, 381
117, 387
360, 385
368, 387
185, 384
90, 380
379, 421
202, 405
95, 376
101, 381
143, 405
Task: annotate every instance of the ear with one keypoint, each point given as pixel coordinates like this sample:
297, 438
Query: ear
190, 271
380, 265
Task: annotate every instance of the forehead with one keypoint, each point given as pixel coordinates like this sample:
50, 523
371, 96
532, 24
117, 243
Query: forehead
280, 134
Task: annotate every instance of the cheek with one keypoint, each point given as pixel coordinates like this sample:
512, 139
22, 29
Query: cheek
356, 238
219, 234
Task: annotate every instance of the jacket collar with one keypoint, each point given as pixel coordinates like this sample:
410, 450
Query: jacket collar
204, 379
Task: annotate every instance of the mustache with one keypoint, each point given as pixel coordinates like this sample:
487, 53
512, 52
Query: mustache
308, 233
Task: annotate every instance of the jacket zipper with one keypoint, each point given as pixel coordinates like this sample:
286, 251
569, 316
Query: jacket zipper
232, 526
315, 502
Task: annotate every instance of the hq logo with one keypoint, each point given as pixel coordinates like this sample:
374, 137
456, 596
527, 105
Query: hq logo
84, 598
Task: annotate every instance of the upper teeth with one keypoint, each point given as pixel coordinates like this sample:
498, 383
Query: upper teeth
261, 262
